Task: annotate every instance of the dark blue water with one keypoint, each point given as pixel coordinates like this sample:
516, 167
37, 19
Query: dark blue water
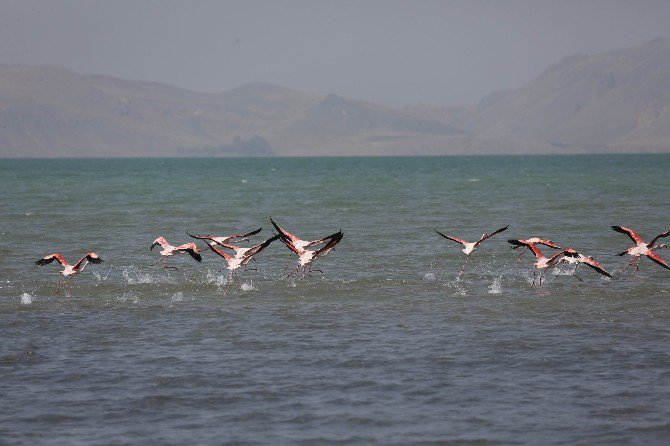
386, 347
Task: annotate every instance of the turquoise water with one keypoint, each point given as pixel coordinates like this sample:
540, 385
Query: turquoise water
386, 347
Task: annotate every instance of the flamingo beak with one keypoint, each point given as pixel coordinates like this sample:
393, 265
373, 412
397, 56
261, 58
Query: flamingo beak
622, 253
152, 246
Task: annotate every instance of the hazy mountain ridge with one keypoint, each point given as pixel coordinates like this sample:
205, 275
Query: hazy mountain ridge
615, 101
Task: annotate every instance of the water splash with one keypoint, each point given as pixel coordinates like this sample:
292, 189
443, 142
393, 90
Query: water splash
429, 277
247, 287
178, 297
26, 299
134, 277
496, 286
218, 279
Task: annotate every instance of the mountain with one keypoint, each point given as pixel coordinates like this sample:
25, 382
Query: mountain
51, 111
615, 101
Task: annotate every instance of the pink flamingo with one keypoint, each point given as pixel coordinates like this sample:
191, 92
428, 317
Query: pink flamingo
470, 246
299, 246
69, 270
641, 248
169, 250
542, 262
534, 241
570, 256
242, 255
223, 239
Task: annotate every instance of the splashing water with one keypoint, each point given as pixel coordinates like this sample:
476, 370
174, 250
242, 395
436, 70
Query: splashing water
496, 287
178, 297
247, 287
219, 280
429, 277
26, 299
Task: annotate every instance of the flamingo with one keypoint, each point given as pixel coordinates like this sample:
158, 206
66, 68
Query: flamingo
69, 270
299, 246
242, 255
169, 250
534, 241
470, 246
223, 239
641, 248
542, 262
571, 256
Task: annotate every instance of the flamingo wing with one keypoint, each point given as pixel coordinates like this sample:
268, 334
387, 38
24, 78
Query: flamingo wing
191, 249
497, 231
552, 258
588, 261
284, 233
243, 236
664, 234
657, 259
517, 243
453, 239
50, 258
219, 252
258, 248
90, 257
290, 245
548, 243
629, 232
333, 240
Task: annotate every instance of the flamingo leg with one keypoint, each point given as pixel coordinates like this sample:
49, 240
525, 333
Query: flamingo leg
574, 271
522, 252
58, 286
158, 261
542, 275
534, 274
463, 267
637, 265
629, 264
293, 272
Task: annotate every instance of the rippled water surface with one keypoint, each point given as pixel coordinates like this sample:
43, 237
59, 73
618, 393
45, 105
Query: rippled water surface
386, 347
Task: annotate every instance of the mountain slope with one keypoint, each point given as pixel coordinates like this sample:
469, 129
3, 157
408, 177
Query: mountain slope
618, 98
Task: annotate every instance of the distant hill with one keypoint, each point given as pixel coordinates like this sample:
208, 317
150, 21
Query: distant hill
615, 101
618, 99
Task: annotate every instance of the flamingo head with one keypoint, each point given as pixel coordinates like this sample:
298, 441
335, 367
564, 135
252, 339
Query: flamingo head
159, 241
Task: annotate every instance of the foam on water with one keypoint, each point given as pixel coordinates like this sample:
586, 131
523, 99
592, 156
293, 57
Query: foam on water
496, 286
429, 277
178, 297
247, 287
26, 299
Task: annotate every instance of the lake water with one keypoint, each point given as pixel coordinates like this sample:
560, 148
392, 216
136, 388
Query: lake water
386, 347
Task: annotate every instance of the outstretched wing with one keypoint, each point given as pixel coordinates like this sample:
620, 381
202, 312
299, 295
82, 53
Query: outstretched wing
629, 232
516, 243
191, 249
50, 258
90, 257
548, 243
219, 252
453, 239
498, 231
284, 233
333, 240
588, 261
258, 248
657, 259
552, 258
664, 234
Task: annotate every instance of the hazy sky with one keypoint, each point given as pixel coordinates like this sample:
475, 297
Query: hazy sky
390, 52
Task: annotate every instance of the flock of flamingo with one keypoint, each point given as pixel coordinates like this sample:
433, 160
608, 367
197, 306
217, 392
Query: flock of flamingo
240, 257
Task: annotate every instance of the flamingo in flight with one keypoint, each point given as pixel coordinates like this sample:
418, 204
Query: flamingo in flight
470, 246
242, 255
570, 256
642, 248
223, 239
542, 262
534, 241
168, 251
299, 246
69, 270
